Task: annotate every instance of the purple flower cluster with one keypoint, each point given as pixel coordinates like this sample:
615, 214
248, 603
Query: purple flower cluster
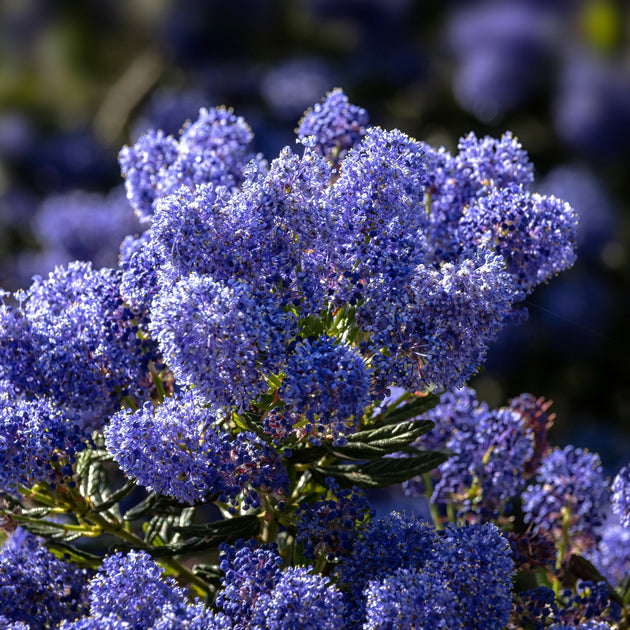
221, 338
250, 570
38, 442
328, 383
258, 591
621, 495
459, 564
411, 598
331, 525
455, 182
300, 599
336, 125
36, 588
73, 339
612, 554
131, 592
486, 472
238, 257
212, 150
178, 450
570, 493
494, 451
527, 229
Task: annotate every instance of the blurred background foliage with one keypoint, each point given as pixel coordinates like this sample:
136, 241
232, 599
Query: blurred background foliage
78, 79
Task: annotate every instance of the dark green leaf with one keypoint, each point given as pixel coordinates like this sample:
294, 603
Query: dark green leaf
382, 472
389, 431
229, 530
154, 504
308, 454
417, 406
68, 553
369, 443
36, 512
115, 497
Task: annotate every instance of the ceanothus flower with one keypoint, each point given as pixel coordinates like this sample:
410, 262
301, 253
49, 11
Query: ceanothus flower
139, 271
375, 211
476, 561
454, 182
620, 499
332, 524
220, 338
178, 450
133, 588
173, 449
570, 484
328, 382
194, 617
212, 150
97, 622
76, 342
592, 624
410, 598
535, 234
36, 588
299, 599
336, 125
38, 442
251, 570
387, 544
267, 233
612, 554
491, 452
436, 324
145, 169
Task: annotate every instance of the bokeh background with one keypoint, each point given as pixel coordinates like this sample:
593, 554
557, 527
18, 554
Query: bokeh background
78, 79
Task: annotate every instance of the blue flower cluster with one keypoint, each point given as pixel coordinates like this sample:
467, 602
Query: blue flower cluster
238, 355
36, 588
178, 449
336, 124
72, 339
570, 495
621, 496
237, 256
494, 452
38, 442
131, 592
212, 150
328, 384
458, 564
331, 525
258, 593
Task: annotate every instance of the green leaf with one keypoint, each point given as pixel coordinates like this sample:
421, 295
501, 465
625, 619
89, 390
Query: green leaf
93, 481
157, 527
368, 444
68, 553
87, 457
115, 497
417, 406
382, 472
154, 504
389, 431
228, 531
36, 512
